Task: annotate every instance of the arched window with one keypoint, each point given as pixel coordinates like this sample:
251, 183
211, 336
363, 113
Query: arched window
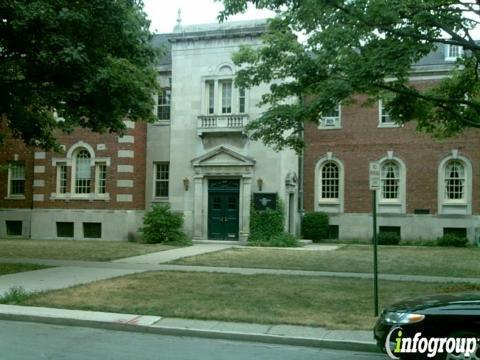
83, 172
390, 177
455, 180
330, 181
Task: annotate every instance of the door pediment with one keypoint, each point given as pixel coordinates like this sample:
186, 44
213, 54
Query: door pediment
222, 156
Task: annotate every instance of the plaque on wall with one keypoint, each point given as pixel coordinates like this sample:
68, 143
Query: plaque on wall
263, 201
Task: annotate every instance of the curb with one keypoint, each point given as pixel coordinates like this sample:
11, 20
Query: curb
351, 345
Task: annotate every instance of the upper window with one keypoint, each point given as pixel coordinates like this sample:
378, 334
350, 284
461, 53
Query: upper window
62, 178
163, 107
161, 172
330, 181
455, 180
210, 91
330, 119
226, 86
384, 118
241, 101
16, 176
453, 52
390, 178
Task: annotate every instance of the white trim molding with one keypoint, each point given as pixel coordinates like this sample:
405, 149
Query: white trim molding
398, 205
461, 206
335, 205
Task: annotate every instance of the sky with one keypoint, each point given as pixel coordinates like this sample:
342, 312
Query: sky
163, 13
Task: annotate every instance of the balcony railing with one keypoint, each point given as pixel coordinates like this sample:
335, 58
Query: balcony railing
221, 123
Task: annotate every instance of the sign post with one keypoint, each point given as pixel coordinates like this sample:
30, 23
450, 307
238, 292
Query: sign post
374, 185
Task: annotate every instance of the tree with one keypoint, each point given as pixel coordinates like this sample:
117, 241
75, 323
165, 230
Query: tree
360, 46
65, 64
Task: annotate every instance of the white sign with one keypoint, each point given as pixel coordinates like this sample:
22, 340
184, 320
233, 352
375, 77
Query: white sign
374, 176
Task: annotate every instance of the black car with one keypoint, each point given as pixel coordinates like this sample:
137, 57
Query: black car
443, 317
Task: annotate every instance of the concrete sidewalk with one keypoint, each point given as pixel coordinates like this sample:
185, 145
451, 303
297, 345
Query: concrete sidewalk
276, 334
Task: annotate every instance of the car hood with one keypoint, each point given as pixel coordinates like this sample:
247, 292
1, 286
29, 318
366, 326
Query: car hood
426, 303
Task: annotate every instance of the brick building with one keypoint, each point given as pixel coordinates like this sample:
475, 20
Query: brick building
94, 188
428, 187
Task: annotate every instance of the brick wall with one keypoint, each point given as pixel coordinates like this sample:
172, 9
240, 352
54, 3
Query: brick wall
360, 141
130, 151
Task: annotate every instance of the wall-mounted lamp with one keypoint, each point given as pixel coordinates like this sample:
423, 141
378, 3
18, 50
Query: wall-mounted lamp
259, 184
186, 182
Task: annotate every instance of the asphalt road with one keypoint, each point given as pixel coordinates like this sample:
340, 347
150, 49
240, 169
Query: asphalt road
34, 341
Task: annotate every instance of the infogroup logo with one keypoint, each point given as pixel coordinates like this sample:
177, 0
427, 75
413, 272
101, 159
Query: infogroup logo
397, 345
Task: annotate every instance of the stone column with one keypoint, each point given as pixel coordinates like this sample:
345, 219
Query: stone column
197, 207
246, 203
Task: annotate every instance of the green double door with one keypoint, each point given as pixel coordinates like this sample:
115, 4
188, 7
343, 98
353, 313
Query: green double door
223, 205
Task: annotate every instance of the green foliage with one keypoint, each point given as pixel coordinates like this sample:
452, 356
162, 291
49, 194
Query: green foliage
452, 240
91, 61
388, 238
163, 226
315, 226
358, 47
14, 296
266, 228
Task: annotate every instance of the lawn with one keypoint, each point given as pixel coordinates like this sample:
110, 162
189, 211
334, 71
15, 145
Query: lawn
75, 249
463, 262
331, 302
6, 269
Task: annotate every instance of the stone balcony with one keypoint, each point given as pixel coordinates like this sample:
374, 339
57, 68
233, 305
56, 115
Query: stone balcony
231, 123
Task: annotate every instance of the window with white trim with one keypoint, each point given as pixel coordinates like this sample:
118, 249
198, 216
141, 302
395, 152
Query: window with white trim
390, 179
80, 174
241, 100
16, 179
453, 52
163, 104
329, 181
101, 178
162, 175
226, 89
83, 172
330, 119
210, 93
62, 178
384, 117
455, 178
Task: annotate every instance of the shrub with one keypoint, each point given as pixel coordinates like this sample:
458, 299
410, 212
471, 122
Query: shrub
452, 240
265, 224
315, 226
388, 238
14, 296
266, 228
282, 239
161, 225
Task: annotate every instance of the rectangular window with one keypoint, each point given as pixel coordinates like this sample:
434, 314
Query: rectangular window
459, 232
163, 107
65, 229
389, 229
101, 172
385, 118
14, 228
453, 52
210, 90
92, 230
62, 180
241, 100
161, 179
83, 173
226, 86
17, 179
331, 119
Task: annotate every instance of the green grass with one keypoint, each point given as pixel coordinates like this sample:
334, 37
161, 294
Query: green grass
315, 301
462, 262
6, 269
75, 249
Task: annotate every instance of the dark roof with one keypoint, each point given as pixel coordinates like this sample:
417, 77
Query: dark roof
161, 41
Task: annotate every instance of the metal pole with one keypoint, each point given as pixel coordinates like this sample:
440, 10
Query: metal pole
375, 264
